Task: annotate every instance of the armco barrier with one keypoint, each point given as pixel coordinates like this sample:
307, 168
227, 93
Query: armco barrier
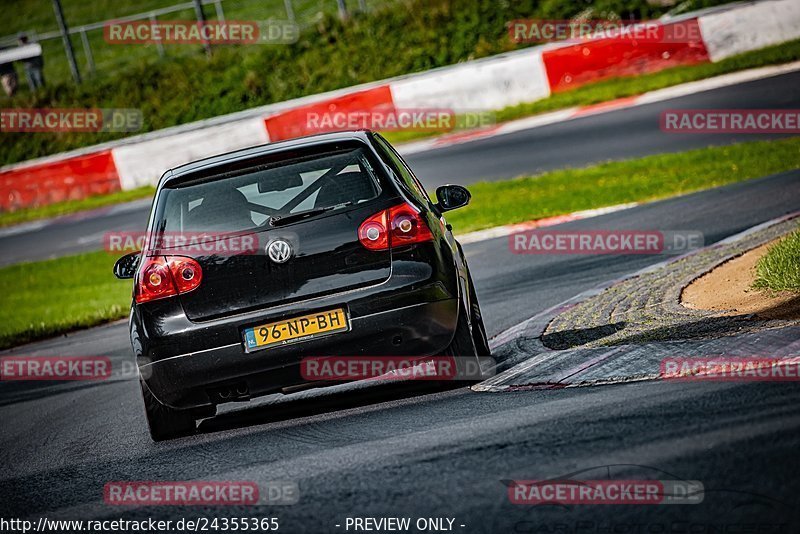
486, 84
571, 66
71, 178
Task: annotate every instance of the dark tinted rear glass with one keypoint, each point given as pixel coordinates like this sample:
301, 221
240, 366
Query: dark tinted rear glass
247, 198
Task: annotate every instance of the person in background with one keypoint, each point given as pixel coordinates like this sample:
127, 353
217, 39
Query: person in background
8, 78
33, 67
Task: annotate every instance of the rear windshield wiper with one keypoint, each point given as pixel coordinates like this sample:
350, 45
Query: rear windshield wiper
278, 220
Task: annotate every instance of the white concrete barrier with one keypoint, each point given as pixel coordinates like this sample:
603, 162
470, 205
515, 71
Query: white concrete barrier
750, 27
488, 84
143, 163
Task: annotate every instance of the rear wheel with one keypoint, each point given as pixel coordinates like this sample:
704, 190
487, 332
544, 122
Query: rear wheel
165, 422
478, 329
469, 342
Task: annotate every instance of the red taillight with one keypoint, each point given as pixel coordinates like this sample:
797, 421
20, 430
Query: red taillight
186, 272
373, 233
408, 226
160, 277
397, 226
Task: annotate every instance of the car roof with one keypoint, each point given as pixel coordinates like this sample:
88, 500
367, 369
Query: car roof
260, 150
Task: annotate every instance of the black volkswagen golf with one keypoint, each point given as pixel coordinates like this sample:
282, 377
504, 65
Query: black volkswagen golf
325, 245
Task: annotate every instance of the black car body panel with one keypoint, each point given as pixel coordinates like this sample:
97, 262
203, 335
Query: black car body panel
402, 301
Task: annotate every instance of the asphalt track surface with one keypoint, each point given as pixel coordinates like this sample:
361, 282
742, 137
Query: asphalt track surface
417, 451
421, 452
620, 134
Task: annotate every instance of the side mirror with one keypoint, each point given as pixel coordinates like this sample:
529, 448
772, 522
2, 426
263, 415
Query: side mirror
451, 197
126, 266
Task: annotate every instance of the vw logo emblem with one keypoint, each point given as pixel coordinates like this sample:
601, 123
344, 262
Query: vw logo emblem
279, 251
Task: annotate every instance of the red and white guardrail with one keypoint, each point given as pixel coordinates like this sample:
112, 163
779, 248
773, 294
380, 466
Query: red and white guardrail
490, 83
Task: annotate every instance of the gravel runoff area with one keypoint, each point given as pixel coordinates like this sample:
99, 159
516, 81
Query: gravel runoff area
731, 287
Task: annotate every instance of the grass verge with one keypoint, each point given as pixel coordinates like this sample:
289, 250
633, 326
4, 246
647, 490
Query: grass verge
47, 298
648, 178
73, 206
43, 299
779, 268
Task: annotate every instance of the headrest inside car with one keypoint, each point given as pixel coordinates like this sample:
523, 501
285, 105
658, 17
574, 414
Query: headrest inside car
274, 181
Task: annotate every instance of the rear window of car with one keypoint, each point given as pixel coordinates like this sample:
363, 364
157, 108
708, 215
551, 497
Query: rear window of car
247, 198
407, 177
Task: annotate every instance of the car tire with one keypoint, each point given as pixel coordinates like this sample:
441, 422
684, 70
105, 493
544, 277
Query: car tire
463, 347
478, 329
165, 422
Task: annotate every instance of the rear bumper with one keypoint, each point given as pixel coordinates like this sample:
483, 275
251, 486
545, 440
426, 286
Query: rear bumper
189, 380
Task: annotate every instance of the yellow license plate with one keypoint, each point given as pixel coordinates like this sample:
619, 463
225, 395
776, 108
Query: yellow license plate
296, 328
